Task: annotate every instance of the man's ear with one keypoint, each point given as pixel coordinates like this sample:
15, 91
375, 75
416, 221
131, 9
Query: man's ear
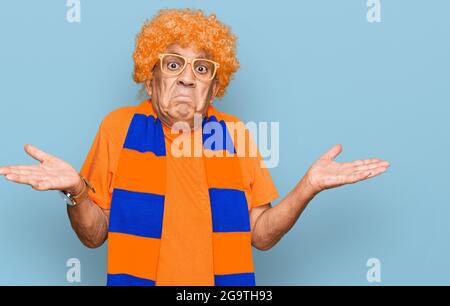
215, 90
148, 87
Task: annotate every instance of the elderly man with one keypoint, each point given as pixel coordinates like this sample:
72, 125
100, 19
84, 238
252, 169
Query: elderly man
188, 219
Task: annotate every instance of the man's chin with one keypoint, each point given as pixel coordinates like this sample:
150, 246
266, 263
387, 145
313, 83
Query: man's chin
184, 115
184, 112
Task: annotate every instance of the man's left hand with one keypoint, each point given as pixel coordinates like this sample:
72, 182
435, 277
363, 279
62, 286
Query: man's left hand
326, 173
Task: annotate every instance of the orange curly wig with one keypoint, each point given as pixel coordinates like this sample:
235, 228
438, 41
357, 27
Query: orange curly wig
187, 28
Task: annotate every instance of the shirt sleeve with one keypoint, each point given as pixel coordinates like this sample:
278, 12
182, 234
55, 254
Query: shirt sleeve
263, 189
257, 176
97, 169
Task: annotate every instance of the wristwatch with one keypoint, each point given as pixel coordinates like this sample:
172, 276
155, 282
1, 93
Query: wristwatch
73, 200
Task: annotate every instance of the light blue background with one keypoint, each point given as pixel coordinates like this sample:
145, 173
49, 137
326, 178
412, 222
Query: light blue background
318, 67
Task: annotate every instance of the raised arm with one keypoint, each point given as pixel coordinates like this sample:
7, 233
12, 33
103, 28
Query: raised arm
88, 220
269, 224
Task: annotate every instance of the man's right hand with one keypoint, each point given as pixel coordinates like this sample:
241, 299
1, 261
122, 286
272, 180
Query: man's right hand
51, 173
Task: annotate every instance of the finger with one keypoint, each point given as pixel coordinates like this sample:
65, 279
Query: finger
24, 179
4, 170
363, 162
19, 169
25, 170
362, 175
357, 176
359, 162
372, 166
377, 171
332, 153
36, 153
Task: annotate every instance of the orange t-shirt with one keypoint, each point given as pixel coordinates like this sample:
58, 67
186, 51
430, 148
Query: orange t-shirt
186, 245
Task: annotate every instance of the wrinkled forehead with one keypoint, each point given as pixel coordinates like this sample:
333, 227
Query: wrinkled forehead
188, 51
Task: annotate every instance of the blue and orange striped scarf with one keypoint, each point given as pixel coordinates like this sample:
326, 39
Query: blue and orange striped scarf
137, 205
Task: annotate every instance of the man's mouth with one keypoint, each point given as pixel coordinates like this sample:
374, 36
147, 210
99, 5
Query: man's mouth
183, 98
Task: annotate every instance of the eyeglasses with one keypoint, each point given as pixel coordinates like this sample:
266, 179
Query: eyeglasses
174, 64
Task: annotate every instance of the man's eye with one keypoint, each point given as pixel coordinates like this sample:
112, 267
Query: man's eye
173, 66
202, 69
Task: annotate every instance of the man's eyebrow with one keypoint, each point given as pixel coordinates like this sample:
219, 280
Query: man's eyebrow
203, 56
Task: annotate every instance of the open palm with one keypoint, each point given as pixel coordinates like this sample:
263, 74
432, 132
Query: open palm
50, 173
326, 173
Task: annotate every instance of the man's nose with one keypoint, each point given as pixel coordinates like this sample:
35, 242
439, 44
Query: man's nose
187, 78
